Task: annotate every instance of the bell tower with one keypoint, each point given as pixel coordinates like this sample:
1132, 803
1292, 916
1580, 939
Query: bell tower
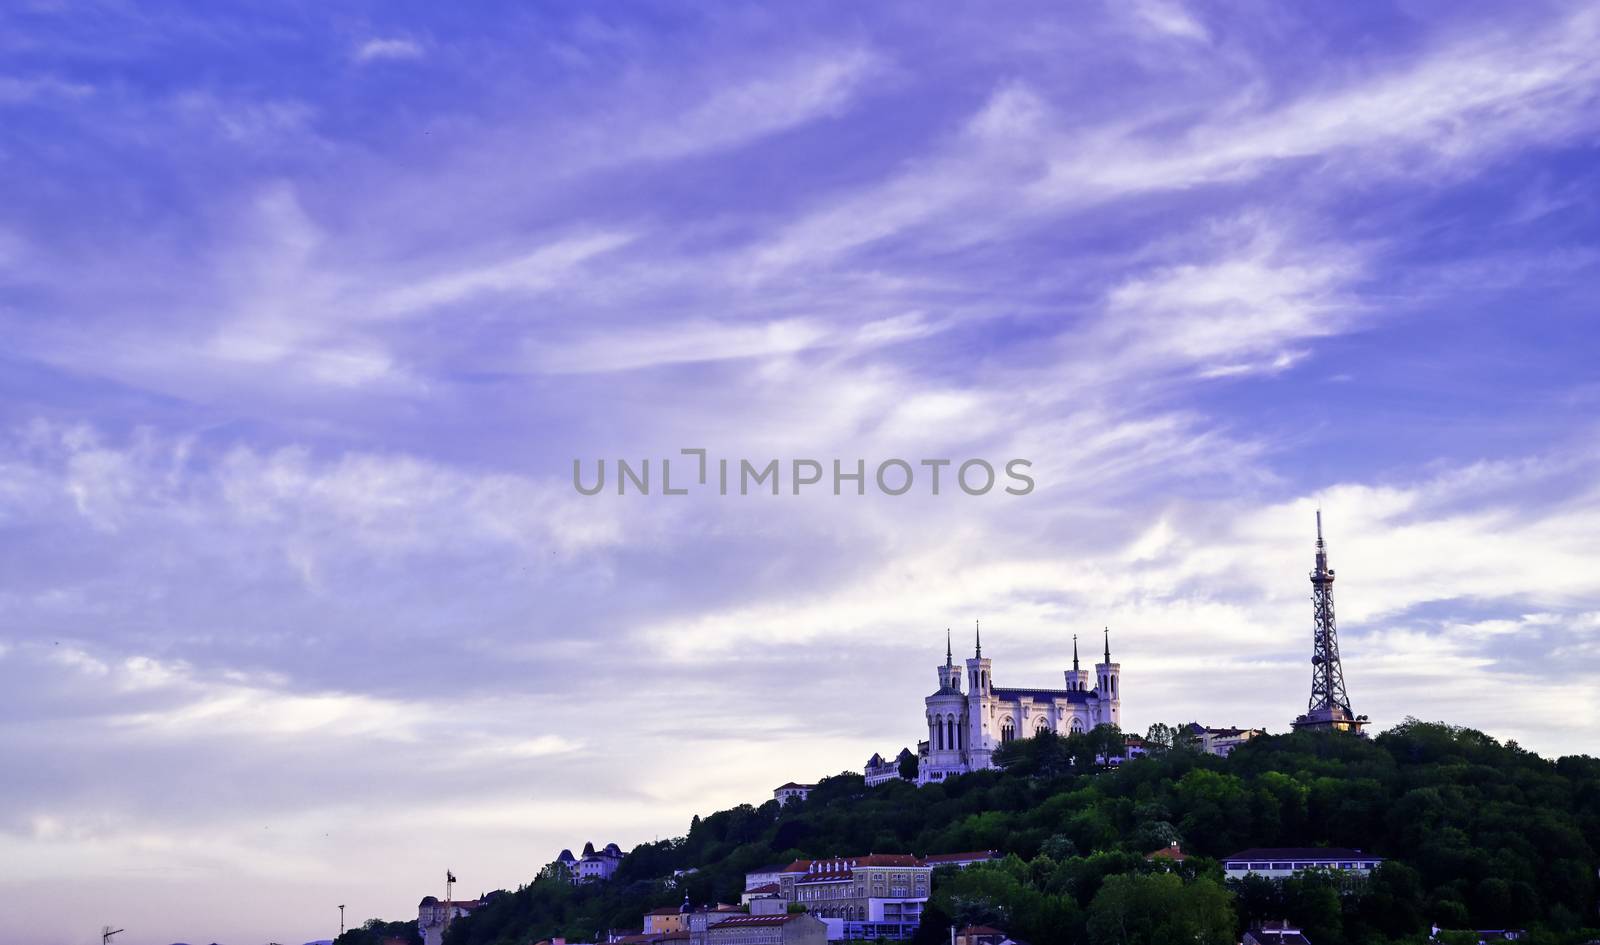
981, 742
1109, 675
1077, 679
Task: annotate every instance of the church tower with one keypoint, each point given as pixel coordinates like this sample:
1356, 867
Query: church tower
981, 741
1109, 675
946, 714
949, 673
1077, 679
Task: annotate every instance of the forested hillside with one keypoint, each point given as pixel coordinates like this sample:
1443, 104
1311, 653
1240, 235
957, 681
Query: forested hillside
1477, 833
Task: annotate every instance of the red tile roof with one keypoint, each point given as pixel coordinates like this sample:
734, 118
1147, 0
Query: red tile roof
752, 921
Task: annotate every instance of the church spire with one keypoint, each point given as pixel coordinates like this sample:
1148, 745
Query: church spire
1108, 644
1074, 652
977, 632
949, 655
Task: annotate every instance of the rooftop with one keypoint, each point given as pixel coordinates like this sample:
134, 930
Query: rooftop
1300, 853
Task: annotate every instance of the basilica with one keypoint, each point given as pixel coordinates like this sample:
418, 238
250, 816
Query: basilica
966, 726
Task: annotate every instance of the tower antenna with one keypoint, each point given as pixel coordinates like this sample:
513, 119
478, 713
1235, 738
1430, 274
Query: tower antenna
106, 932
1329, 706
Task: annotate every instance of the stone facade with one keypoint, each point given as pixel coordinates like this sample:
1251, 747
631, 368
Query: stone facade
966, 725
888, 888
798, 929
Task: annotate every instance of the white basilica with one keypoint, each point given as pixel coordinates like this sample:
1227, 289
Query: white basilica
964, 728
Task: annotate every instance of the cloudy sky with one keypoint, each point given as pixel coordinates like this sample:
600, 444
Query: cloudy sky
308, 311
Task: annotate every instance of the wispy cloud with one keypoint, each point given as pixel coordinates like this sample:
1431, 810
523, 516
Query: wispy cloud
298, 362
382, 48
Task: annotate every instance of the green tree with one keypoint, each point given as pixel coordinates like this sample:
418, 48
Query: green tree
1160, 909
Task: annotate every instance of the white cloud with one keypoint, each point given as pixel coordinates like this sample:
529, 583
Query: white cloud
388, 48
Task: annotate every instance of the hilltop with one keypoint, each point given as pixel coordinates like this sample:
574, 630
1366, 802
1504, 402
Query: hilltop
1476, 833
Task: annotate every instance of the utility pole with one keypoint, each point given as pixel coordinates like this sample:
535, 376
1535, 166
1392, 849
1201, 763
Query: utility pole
106, 932
341, 920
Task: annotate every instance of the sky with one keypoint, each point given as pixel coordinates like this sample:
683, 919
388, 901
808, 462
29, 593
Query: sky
308, 310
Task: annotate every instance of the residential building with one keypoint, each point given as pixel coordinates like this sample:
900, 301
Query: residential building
966, 859
1283, 862
785, 793
878, 895
1220, 741
435, 915
1171, 853
980, 935
880, 770
667, 919
593, 865
1488, 936
1276, 932
762, 875
738, 929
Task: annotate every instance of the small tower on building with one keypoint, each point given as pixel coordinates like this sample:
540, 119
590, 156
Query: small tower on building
1110, 683
980, 745
1329, 707
1077, 679
946, 713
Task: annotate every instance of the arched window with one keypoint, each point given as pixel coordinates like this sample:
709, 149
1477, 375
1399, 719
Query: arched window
1077, 726
1008, 731
1042, 726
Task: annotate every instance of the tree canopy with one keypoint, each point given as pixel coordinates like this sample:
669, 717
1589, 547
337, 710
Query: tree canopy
1475, 833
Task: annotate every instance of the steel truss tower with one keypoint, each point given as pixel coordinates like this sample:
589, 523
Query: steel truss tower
1329, 707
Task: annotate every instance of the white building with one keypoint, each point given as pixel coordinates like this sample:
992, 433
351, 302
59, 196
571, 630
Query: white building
880, 770
1221, 741
593, 865
1283, 862
965, 727
784, 793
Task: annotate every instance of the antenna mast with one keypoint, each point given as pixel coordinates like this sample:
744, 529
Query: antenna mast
1329, 706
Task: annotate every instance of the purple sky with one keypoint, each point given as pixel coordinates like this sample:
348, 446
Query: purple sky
307, 311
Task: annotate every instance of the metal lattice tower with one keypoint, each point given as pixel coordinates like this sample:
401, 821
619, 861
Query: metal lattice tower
1329, 706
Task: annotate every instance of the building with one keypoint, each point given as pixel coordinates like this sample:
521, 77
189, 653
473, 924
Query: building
876, 896
739, 929
965, 726
1133, 746
1277, 932
1281, 863
1486, 936
962, 860
1329, 708
435, 915
980, 935
667, 919
763, 875
880, 771
1220, 741
1171, 853
785, 793
593, 865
